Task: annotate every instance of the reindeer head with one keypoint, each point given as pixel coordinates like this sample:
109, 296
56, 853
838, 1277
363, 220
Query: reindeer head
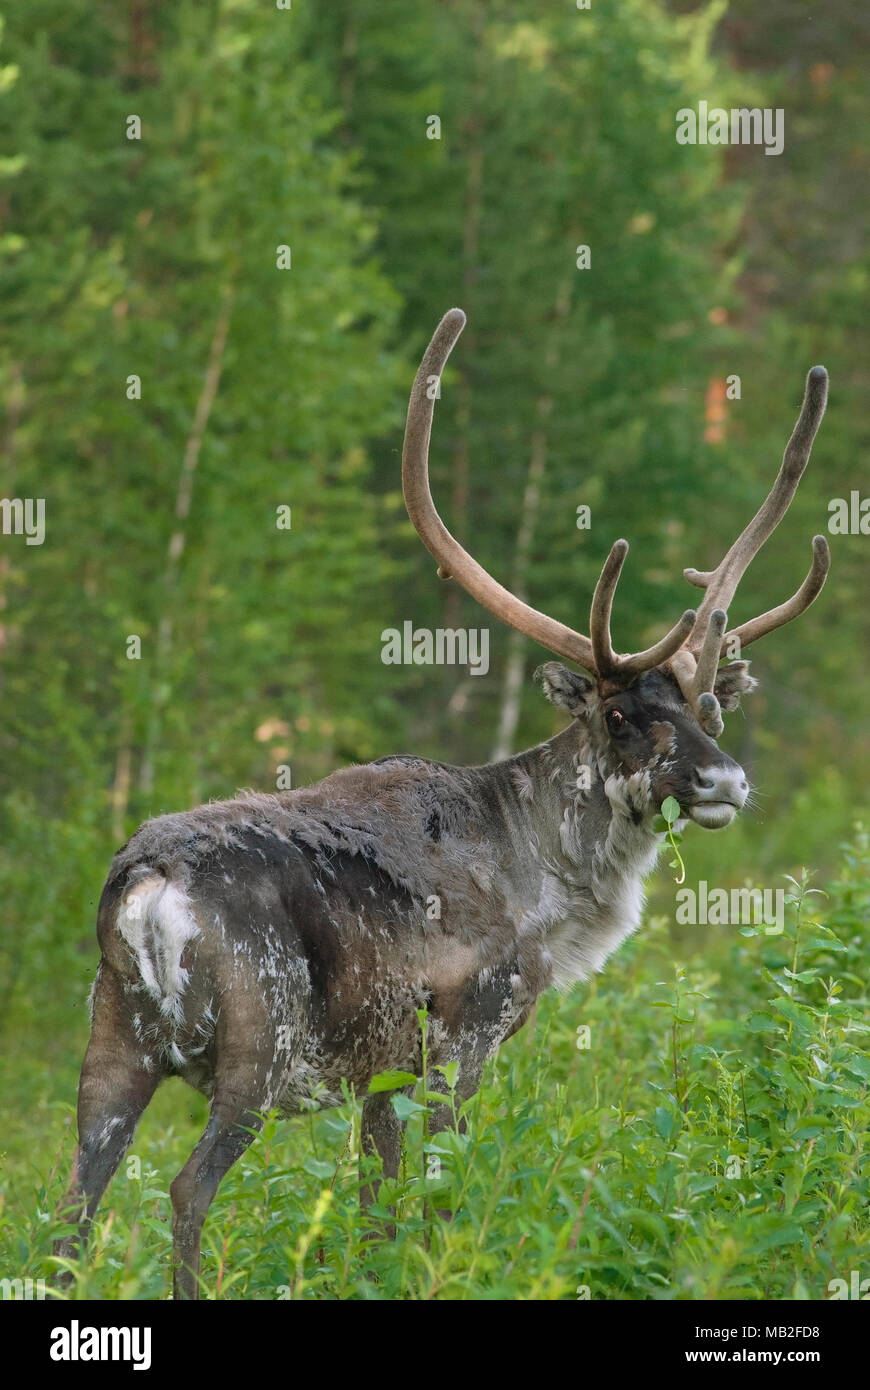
644, 735
653, 716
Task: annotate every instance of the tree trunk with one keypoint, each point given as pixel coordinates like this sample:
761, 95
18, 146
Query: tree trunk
470, 253
515, 668
176, 543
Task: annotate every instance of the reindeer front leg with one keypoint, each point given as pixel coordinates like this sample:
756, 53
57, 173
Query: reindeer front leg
381, 1133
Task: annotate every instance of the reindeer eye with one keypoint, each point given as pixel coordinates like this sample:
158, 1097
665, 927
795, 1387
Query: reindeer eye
614, 720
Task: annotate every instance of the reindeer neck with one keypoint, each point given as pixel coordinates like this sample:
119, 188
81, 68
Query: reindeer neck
568, 810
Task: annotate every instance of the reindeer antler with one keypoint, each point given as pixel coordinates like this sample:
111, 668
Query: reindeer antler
454, 562
693, 647
695, 665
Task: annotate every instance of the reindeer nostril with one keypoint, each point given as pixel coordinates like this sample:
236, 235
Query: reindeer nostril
721, 782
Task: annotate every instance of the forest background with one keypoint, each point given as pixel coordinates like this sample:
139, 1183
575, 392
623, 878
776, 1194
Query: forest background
271, 380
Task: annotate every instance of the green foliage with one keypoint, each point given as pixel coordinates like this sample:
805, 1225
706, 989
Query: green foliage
670, 814
131, 252
709, 1143
261, 646
556, 132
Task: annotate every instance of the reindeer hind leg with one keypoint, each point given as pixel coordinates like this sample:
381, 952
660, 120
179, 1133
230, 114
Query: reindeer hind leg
249, 1060
119, 1077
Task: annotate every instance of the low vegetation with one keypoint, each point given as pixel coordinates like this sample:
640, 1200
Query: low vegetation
690, 1125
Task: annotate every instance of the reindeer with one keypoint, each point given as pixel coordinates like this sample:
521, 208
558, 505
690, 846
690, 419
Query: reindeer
270, 947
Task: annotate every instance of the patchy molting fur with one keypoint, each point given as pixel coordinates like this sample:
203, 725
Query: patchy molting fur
536, 871
273, 949
332, 875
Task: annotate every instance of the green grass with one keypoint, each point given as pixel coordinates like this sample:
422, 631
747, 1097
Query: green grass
710, 1142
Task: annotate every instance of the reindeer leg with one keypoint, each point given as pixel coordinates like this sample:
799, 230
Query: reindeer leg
381, 1134
225, 1139
118, 1080
247, 1062
475, 1029
471, 1061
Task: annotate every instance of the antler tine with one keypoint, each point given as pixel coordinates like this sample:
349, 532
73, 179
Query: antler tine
661, 651
696, 675
597, 653
607, 663
453, 560
695, 665
793, 607
708, 660
604, 656
721, 583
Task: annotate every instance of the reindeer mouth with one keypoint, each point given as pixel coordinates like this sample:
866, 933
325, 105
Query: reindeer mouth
713, 815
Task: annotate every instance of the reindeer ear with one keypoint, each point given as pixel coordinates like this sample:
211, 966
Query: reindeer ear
565, 688
731, 682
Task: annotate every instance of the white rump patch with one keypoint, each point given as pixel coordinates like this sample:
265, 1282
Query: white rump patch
156, 920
